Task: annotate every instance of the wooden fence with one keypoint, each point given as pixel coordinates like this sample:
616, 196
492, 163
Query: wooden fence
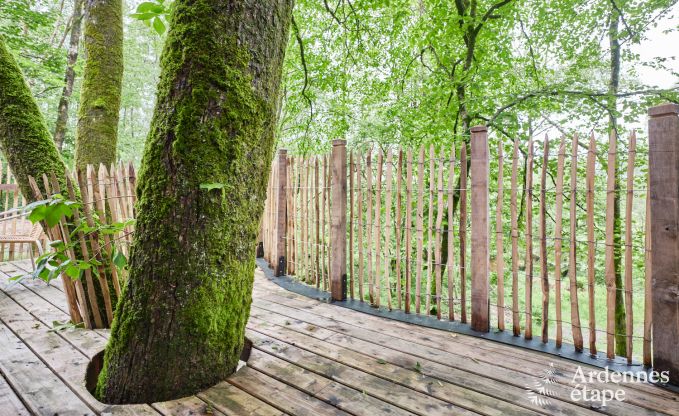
410, 229
11, 200
108, 197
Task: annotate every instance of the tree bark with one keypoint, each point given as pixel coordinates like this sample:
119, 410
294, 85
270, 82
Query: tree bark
613, 86
25, 139
69, 78
180, 323
102, 83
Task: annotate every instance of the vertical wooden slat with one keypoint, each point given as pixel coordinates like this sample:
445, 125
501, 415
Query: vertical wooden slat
69, 286
369, 228
558, 238
281, 199
338, 224
628, 244
3, 224
451, 235
572, 254
98, 195
499, 241
13, 221
430, 226
610, 249
359, 234
93, 240
463, 233
663, 133
439, 224
327, 247
591, 244
305, 218
289, 267
387, 227
132, 176
408, 226
419, 229
480, 240
351, 225
648, 272
378, 229
91, 293
399, 184
544, 273
317, 220
516, 319
528, 330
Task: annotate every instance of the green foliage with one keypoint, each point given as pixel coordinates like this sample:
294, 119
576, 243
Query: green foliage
59, 260
153, 14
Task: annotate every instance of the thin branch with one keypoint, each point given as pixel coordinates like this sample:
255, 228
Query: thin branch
306, 72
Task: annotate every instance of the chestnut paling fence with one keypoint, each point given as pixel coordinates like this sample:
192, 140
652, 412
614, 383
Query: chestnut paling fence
107, 197
426, 231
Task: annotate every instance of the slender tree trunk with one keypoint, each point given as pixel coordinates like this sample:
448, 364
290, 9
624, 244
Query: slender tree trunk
613, 85
181, 320
102, 83
69, 78
25, 139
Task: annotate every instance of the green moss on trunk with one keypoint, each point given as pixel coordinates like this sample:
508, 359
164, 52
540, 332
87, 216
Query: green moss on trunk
102, 83
180, 322
25, 139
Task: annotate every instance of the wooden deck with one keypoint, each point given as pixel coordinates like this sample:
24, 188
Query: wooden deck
309, 358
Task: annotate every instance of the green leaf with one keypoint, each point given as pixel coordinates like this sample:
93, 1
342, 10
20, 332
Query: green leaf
150, 7
60, 326
37, 214
143, 16
73, 271
159, 26
211, 186
119, 260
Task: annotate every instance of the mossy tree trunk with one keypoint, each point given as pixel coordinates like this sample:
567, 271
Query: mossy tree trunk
98, 115
25, 139
180, 323
69, 78
27, 143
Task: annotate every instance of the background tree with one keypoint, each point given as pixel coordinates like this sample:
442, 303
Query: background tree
98, 116
69, 78
180, 322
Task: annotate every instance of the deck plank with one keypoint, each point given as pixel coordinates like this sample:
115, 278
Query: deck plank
428, 398
433, 345
41, 390
187, 406
60, 356
231, 400
309, 358
10, 403
350, 399
280, 395
420, 334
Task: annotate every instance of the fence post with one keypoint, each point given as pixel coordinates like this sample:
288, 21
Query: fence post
480, 211
280, 215
338, 224
663, 135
